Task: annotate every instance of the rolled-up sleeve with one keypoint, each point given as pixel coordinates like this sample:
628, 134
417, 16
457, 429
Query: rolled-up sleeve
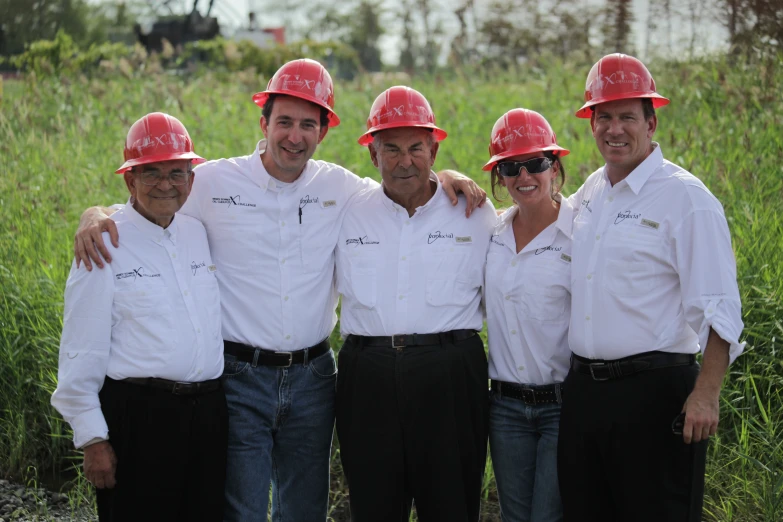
708, 278
84, 352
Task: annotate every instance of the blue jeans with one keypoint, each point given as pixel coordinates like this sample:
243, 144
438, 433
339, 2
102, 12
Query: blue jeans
280, 431
523, 445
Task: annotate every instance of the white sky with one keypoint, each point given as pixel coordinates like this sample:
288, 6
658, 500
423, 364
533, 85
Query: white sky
231, 13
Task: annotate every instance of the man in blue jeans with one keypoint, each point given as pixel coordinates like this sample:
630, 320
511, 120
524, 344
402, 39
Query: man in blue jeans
272, 220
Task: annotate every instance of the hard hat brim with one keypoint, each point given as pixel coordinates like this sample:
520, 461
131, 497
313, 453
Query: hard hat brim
260, 98
554, 149
586, 112
366, 138
195, 158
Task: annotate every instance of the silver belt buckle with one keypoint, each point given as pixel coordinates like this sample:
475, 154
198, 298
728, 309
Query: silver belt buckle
592, 373
290, 358
179, 386
394, 342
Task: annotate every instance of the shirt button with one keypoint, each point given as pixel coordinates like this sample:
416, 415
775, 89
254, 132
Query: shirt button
173, 255
285, 298
403, 258
407, 223
282, 223
598, 237
587, 318
287, 336
508, 297
185, 292
282, 261
198, 330
611, 198
402, 297
589, 276
513, 263
513, 332
199, 372
521, 368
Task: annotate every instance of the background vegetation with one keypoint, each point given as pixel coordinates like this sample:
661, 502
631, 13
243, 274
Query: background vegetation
63, 124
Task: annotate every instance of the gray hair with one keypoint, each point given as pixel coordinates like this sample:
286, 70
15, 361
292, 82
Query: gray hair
377, 142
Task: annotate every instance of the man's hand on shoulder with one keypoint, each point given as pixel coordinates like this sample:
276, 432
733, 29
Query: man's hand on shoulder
88, 243
455, 183
100, 464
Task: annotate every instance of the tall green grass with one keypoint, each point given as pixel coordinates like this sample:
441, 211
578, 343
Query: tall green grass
61, 139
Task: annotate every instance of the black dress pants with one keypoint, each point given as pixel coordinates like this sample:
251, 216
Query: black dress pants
413, 426
171, 454
618, 459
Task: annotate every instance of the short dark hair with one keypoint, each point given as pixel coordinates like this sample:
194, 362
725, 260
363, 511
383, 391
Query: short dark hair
495, 176
266, 110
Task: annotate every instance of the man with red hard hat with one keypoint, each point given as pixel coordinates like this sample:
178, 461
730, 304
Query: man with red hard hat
653, 283
141, 352
412, 398
272, 219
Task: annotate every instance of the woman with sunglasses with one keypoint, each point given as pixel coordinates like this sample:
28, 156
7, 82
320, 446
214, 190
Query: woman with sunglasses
528, 300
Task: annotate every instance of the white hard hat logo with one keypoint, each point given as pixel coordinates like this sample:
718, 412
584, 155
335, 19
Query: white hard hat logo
169, 139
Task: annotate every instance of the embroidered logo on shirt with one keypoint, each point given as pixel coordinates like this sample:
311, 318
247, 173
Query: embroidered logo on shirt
303, 202
195, 266
463, 239
360, 241
494, 239
548, 248
434, 236
137, 272
565, 257
650, 223
622, 216
586, 204
232, 201
329, 203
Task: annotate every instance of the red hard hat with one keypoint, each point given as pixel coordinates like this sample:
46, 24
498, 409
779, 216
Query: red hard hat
400, 106
618, 77
521, 131
157, 137
305, 79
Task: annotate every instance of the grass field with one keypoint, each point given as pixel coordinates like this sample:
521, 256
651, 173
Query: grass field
61, 139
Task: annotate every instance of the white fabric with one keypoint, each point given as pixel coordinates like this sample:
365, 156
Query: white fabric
528, 301
404, 275
153, 312
653, 267
276, 274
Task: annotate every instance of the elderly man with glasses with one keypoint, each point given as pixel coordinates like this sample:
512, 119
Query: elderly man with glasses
141, 350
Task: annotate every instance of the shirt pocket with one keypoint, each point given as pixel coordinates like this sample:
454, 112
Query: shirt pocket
544, 302
629, 278
207, 298
451, 281
143, 317
364, 278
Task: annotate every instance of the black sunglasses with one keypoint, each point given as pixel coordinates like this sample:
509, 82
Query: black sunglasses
511, 169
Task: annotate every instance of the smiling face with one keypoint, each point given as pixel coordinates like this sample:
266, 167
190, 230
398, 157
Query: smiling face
404, 156
530, 190
292, 133
158, 203
623, 135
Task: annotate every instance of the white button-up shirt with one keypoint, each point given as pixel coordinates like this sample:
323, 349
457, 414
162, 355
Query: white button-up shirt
153, 312
528, 300
405, 275
653, 267
274, 243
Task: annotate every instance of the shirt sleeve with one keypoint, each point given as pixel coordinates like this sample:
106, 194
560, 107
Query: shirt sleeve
708, 278
84, 352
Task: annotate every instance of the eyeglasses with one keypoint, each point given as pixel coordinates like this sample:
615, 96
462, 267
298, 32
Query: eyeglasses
511, 169
152, 178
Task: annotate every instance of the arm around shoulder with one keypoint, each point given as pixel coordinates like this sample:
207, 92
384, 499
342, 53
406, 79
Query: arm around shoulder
88, 244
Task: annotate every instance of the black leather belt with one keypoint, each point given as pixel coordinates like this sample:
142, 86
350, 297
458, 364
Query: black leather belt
530, 395
260, 356
175, 387
601, 370
401, 341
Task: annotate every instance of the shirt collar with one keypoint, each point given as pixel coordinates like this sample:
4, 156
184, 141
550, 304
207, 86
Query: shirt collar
148, 228
434, 201
639, 176
564, 221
